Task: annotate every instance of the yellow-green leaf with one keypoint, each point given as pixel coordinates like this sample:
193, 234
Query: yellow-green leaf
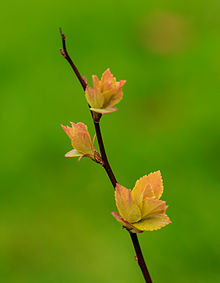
73, 153
104, 110
126, 206
153, 223
153, 207
94, 99
155, 179
142, 189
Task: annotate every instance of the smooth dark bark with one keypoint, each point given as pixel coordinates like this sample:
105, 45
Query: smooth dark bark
139, 257
106, 164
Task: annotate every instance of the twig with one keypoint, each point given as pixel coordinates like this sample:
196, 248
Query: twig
83, 83
140, 258
65, 54
106, 165
104, 156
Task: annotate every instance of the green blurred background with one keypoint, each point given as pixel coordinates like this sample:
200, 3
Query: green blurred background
55, 216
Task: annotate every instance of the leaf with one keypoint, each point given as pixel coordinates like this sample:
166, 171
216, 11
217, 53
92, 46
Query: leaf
113, 95
104, 110
105, 93
153, 223
80, 138
126, 206
68, 130
125, 223
94, 98
73, 153
82, 142
153, 207
155, 179
142, 189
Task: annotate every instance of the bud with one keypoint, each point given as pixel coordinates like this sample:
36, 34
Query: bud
141, 209
105, 93
81, 141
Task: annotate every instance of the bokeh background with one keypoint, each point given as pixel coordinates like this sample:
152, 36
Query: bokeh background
55, 216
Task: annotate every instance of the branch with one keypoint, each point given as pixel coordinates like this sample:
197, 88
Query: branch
139, 256
104, 156
65, 54
83, 83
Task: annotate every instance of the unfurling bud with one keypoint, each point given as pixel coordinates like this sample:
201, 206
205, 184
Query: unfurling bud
81, 142
141, 209
105, 93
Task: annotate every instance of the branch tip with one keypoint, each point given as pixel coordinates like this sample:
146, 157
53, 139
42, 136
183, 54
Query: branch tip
62, 34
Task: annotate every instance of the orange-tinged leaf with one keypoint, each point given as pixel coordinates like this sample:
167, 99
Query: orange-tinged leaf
155, 179
107, 81
107, 75
80, 126
153, 223
80, 139
94, 99
141, 190
105, 93
153, 207
96, 83
112, 97
126, 206
82, 143
125, 223
121, 220
68, 130
145, 196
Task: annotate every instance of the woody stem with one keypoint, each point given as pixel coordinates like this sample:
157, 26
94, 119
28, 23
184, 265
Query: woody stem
106, 165
104, 156
140, 258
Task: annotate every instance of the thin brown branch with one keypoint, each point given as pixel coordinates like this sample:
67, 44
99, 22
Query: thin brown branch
140, 258
65, 54
106, 165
